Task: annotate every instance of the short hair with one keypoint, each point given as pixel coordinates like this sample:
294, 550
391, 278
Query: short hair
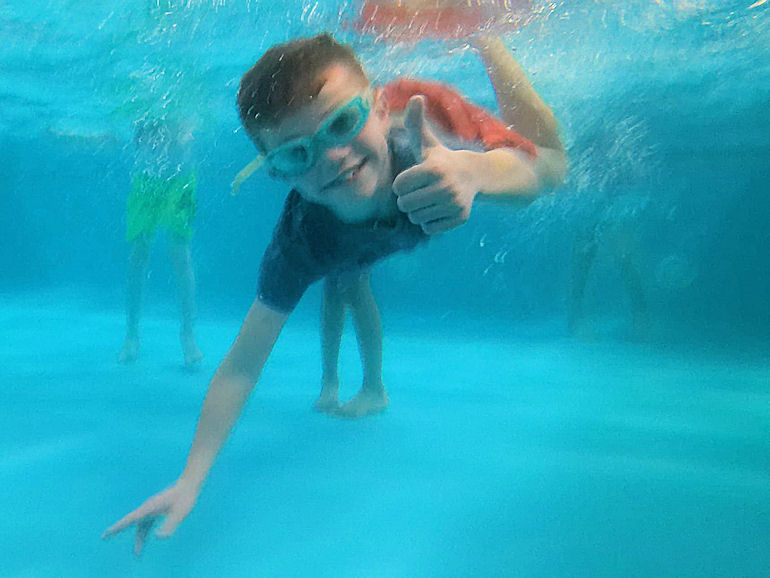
287, 77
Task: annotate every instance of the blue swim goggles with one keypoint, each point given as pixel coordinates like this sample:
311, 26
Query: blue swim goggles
338, 129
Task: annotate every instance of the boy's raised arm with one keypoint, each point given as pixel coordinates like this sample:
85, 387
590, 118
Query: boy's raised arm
439, 191
521, 107
227, 394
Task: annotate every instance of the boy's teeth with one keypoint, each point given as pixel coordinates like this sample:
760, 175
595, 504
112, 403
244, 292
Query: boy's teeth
348, 174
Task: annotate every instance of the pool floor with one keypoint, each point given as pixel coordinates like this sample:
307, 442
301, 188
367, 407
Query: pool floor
499, 456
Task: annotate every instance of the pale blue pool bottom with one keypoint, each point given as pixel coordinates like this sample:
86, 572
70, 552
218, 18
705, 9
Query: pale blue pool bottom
498, 457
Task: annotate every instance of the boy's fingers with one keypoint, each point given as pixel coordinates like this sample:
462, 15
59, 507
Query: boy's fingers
442, 225
419, 199
142, 530
122, 524
147, 509
413, 121
413, 178
434, 213
170, 524
420, 135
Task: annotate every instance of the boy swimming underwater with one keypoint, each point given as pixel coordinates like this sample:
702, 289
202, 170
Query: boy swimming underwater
456, 120
364, 185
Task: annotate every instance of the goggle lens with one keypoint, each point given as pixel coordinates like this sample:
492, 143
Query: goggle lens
339, 128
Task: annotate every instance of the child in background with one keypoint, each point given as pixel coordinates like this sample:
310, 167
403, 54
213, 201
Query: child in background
613, 227
370, 176
162, 195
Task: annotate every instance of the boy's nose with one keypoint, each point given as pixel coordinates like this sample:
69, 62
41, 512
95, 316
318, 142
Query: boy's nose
337, 153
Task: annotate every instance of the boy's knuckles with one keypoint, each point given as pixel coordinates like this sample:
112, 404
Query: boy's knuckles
433, 168
405, 204
414, 218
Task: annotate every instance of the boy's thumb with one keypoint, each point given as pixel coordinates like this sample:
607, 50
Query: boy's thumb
420, 135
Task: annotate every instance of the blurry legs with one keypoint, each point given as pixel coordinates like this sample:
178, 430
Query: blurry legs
372, 398
181, 259
332, 324
137, 264
632, 279
583, 255
352, 292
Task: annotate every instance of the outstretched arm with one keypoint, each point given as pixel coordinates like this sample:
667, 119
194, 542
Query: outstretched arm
228, 392
524, 110
231, 386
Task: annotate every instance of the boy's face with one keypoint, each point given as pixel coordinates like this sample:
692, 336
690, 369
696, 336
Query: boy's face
353, 179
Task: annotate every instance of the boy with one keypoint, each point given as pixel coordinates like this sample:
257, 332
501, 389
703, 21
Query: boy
363, 187
347, 291
162, 194
354, 291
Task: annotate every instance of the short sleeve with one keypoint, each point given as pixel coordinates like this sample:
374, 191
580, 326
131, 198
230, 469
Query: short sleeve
288, 267
451, 111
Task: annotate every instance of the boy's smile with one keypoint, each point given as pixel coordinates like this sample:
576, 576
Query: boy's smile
352, 179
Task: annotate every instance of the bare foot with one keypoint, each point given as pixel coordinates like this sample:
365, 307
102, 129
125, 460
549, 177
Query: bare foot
366, 402
328, 401
192, 355
130, 351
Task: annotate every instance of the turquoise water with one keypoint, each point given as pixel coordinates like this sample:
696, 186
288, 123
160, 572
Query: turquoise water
510, 448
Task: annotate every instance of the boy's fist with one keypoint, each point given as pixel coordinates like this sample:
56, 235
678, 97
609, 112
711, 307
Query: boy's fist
438, 192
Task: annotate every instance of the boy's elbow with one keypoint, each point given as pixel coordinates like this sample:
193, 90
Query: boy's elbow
560, 168
252, 347
553, 168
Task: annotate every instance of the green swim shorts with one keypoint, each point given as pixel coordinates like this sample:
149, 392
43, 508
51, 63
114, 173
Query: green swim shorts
154, 201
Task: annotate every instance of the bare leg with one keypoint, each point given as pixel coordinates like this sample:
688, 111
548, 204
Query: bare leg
632, 279
179, 252
520, 105
366, 317
583, 255
137, 264
332, 324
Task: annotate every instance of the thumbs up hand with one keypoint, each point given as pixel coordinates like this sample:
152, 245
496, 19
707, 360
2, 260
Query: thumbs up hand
421, 137
438, 192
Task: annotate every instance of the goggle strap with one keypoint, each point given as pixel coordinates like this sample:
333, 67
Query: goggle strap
245, 173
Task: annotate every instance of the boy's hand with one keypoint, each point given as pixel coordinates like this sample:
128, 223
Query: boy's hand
437, 193
174, 503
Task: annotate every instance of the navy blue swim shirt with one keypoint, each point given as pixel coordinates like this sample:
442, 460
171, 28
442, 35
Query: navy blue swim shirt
310, 243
